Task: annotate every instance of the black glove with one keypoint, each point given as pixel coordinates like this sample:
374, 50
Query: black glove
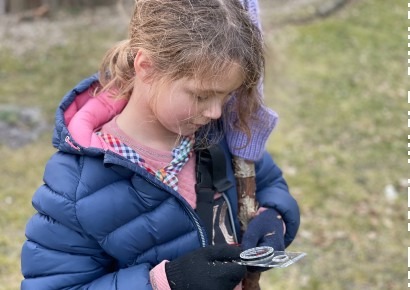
266, 229
206, 268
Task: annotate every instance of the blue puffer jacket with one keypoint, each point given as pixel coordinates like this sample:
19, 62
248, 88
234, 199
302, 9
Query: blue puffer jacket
104, 223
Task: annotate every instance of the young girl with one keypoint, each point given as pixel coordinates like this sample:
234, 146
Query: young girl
118, 208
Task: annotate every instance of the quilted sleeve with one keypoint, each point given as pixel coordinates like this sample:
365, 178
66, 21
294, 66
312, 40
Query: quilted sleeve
272, 191
58, 253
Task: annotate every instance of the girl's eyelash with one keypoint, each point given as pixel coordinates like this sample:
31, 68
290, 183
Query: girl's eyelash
201, 98
206, 97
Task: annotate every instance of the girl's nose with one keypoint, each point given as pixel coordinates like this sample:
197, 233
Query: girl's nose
213, 110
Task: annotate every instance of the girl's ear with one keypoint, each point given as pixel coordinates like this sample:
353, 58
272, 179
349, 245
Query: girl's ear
143, 66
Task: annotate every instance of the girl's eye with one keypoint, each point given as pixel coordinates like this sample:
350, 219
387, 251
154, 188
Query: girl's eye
201, 98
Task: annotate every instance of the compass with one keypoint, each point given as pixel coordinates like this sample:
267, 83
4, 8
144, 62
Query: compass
257, 255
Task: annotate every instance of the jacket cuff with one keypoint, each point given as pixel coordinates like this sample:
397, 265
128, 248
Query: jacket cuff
261, 128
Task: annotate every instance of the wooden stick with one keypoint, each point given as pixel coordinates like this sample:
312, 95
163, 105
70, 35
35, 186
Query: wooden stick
247, 207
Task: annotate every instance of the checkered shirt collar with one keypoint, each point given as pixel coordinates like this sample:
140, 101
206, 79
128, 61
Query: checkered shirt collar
167, 174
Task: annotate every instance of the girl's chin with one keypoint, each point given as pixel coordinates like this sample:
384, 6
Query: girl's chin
188, 132
188, 129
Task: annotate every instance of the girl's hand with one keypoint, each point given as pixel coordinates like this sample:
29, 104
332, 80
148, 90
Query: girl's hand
206, 268
265, 229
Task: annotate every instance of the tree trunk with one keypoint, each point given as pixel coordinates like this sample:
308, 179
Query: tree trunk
247, 207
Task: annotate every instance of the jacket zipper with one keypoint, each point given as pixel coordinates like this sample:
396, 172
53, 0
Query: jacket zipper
198, 226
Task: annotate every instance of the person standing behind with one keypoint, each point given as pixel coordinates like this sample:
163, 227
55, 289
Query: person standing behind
239, 144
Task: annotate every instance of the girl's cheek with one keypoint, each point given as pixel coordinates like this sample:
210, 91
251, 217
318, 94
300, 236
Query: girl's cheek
193, 110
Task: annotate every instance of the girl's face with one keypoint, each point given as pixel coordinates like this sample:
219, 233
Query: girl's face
185, 105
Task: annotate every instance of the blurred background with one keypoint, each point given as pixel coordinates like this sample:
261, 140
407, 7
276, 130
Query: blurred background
337, 77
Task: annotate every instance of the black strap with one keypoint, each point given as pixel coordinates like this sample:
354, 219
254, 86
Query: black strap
211, 178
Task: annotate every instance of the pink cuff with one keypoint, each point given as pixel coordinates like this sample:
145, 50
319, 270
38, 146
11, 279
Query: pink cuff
158, 277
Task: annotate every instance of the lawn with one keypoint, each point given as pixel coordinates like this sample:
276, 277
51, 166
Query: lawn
339, 86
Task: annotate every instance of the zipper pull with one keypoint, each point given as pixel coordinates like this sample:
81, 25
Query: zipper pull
67, 140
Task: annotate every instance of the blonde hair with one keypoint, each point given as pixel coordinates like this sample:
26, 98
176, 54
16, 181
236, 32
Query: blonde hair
197, 39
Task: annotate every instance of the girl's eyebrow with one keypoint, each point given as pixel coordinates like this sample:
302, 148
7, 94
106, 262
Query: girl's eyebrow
211, 92
199, 91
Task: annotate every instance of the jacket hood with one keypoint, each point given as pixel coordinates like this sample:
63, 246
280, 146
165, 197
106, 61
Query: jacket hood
80, 114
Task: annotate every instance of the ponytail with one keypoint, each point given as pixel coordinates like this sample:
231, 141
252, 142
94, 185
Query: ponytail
116, 73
